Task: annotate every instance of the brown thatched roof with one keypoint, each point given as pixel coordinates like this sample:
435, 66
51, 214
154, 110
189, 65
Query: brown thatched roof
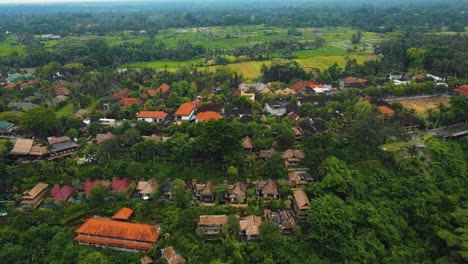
247, 143
293, 154
250, 224
213, 220
269, 187
301, 199
171, 256
22, 146
31, 194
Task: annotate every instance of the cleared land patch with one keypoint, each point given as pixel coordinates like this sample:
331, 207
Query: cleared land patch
421, 105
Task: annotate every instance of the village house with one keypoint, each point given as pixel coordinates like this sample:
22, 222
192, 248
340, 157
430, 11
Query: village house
299, 179
351, 82
123, 214
207, 116
301, 203
212, 224
237, 193
274, 107
120, 185
292, 158
117, 235
294, 116
163, 88
25, 148
171, 256
151, 116
61, 193
88, 185
204, 192
129, 101
386, 111
185, 113
35, 196
297, 133
103, 137
284, 219
248, 89
266, 153
250, 227
103, 121
247, 144
462, 90
167, 189
146, 260
146, 189
268, 189
61, 147
6, 129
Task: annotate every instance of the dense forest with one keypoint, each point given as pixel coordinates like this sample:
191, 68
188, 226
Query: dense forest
384, 186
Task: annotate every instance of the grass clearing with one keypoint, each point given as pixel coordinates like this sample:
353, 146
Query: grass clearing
65, 110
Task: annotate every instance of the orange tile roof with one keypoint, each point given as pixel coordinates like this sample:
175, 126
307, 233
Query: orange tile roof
10, 85
114, 242
385, 110
462, 90
350, 80
208, 115
123, 214
129, 101
185, 109
119, 230
151, 114
163, 88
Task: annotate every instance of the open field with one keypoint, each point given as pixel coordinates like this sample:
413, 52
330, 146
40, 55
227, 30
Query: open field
421, 105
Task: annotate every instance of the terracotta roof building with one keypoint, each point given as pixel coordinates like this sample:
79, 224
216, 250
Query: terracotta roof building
123, 214
163, 88
120, 185
266, 153
35, 196
250, 227
88, 185
171, 256
117, 235
129, 101
212, 224
61, 193
463, 90
151, 116
185, 112
386, 110
351, 82
207, 116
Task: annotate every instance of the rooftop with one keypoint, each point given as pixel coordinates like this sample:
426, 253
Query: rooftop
151, 114
120, 230
123, 214
213, 220
185, 109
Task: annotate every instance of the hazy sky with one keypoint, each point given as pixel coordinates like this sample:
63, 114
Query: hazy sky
51, 1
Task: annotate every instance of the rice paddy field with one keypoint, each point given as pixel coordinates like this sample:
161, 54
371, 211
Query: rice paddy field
338, 47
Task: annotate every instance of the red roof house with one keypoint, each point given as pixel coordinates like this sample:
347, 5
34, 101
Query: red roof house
386, 110
61, 193
151, 116
123, 214
118, 235
10, 86
294, 116
121, 94
88, 185
185, 112
129, 101
207, 116
120, 185
463, 90
163, 88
